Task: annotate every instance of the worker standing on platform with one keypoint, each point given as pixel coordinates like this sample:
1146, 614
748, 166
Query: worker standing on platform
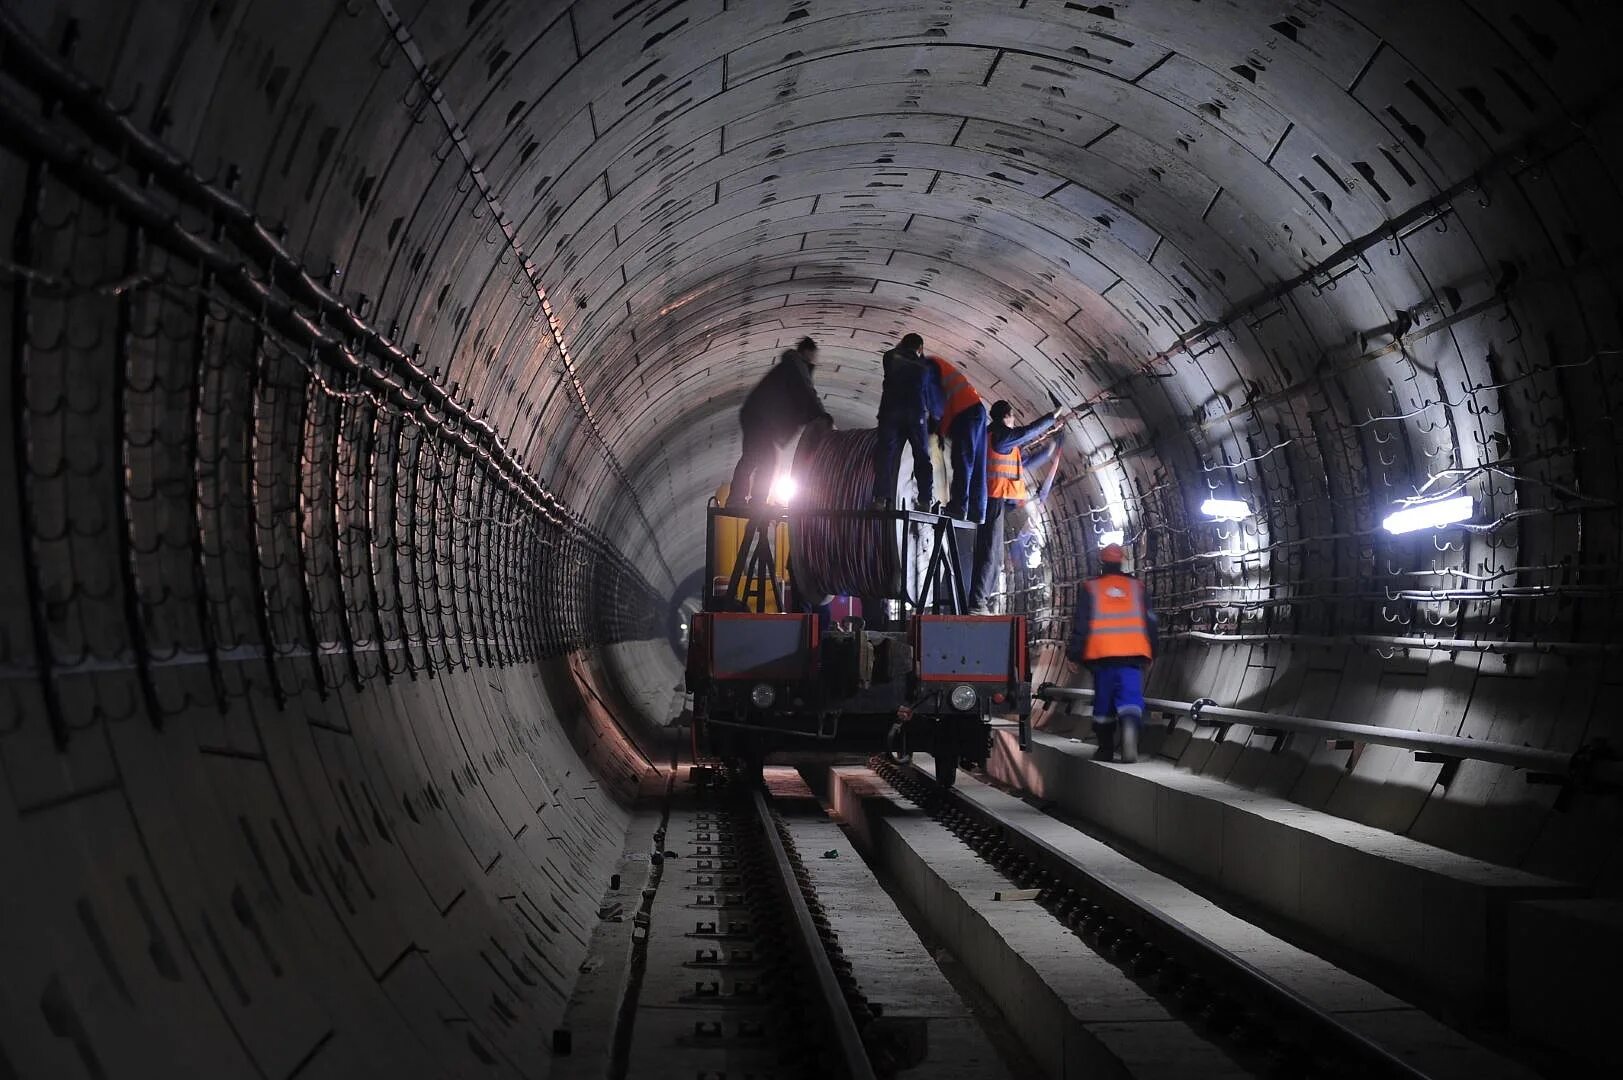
1114, 634
1006, 461
962, 425
782, 403
911, 395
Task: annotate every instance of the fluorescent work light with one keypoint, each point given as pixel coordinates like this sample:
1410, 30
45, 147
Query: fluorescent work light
1111, 536
1225, 509
1432, 515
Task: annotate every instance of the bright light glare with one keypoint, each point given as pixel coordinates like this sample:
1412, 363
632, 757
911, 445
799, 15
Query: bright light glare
1225, 509
783, 490
1118, 511
1111, 536
1433, 515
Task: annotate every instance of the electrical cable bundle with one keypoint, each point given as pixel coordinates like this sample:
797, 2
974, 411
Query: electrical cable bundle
844, 556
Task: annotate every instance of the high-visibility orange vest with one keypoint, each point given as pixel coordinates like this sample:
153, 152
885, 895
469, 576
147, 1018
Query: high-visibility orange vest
1119, 629
956, 390
1004, 478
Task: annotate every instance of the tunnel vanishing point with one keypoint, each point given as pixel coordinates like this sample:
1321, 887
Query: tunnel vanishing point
369, 365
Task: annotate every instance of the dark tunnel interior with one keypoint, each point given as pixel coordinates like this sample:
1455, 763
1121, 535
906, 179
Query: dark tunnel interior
369, 365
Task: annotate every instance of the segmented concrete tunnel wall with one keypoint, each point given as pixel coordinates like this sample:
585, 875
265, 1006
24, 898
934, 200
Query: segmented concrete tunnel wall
315, 611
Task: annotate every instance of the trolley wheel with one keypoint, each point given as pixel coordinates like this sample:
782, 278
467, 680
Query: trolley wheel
946, 764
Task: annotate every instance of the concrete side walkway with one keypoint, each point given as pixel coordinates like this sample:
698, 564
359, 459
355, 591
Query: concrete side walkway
1431, 915
888, 961
1564, 956
592, 1015
1387, 1021
1077, 1013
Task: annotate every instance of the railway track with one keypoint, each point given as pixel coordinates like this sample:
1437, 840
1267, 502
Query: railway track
1267, 1027
1101, 967
737, 973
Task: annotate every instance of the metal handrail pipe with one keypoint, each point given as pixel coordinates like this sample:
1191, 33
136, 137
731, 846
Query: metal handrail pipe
1583, 763
1423, 641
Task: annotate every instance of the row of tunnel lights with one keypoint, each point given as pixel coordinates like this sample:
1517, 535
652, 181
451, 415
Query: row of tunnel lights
1436, 514
1428, 515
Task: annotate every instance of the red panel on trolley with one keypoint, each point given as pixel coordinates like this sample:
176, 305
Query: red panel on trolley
745, 645
969, 648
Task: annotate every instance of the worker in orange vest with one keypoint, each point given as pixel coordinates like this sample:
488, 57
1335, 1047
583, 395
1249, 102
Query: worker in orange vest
1114, 634
1006, 462
962, 425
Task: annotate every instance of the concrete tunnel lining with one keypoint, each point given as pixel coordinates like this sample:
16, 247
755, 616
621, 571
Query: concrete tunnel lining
1307, 257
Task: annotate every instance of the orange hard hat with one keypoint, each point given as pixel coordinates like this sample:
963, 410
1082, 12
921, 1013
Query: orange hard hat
1111, 553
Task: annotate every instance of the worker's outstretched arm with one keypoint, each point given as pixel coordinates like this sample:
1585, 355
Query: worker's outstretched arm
1039, 457
1011, 439
808, 405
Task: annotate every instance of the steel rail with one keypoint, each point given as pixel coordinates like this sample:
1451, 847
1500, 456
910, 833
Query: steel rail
853, 1054
1334, 1041
1585, 763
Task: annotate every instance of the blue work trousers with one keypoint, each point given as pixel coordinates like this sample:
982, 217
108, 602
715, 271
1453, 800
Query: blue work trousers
1118, 690
898, 429
989, 552
1118, 708
968, 446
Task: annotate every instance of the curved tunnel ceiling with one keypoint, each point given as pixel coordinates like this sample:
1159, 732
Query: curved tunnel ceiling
1183, 208
420, 458
1196, 211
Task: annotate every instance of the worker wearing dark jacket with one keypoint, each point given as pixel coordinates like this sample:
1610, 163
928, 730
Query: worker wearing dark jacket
1114, 634
1006, 462
962, 424
782, 403
909, 399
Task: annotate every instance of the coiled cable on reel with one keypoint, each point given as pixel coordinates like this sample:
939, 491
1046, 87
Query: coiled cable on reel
834, 470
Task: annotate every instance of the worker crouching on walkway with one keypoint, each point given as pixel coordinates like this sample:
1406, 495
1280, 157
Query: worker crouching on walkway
1006, 461
1114, 634
962, 424
910, 397
782, 403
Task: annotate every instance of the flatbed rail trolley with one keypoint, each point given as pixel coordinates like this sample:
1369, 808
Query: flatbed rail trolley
769, 674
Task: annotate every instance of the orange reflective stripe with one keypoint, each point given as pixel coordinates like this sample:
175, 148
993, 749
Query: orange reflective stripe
956, 390
1003, 479
1119, 628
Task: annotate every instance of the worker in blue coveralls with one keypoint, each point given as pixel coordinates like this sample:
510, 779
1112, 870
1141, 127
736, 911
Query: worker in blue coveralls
909, 399
1006, 462
1114, 634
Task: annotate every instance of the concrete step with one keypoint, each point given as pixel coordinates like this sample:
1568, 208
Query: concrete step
1385, 1020
1077, 1013
1433, 917
1561, 969
888, 961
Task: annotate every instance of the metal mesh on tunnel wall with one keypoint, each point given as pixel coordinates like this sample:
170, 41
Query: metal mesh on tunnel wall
224, 476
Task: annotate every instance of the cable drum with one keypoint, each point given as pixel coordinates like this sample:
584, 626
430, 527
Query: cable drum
834, 470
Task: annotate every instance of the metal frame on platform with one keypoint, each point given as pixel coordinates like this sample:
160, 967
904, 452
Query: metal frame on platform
941, 590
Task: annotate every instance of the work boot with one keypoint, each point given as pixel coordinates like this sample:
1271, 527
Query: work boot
1106, 734
1129, 735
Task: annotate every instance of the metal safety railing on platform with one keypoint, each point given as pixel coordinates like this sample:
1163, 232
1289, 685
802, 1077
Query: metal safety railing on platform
1591, 763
